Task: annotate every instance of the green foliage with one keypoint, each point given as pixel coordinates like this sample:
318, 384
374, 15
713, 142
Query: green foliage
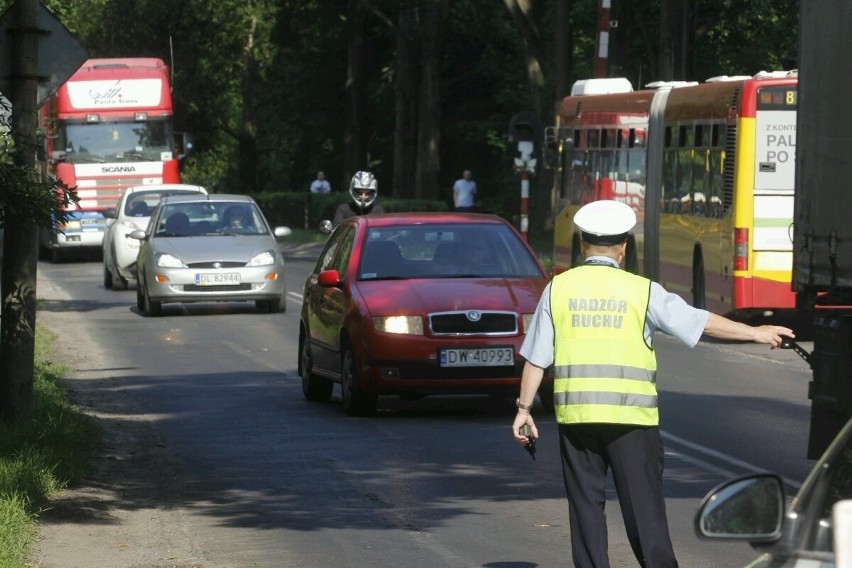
16, 531
275, 72
40, 455
294, 52
25, 196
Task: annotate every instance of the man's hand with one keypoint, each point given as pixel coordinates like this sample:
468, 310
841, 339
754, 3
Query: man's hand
772, 335
523, 418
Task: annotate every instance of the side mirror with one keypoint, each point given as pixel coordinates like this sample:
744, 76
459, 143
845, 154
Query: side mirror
110, 213
747, 508
138, 234
325, 226
329, 278
283, 231
184, 144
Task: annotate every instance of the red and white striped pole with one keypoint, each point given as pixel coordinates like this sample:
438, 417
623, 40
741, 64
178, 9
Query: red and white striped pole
525, 165
525, 199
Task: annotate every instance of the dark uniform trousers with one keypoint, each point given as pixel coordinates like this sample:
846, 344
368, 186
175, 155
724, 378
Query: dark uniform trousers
635, 455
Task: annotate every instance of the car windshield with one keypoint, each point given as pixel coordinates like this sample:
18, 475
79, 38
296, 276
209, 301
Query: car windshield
210, 218
142, 203
99, 142
446, 251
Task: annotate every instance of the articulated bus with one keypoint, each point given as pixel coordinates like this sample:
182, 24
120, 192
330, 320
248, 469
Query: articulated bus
709, 169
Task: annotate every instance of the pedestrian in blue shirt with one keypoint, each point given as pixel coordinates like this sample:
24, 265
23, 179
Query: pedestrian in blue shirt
464, 191
320, 185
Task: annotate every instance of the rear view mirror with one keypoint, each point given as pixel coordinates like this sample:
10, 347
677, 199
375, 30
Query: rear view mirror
747, 508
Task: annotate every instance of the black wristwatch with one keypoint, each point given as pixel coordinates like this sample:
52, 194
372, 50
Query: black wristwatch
522, 406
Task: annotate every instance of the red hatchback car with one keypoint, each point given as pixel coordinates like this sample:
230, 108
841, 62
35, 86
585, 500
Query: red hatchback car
413, 304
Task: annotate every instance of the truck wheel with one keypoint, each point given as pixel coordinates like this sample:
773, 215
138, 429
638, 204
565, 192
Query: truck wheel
107, 278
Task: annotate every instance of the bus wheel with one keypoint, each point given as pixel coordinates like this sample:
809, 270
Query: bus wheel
699, 296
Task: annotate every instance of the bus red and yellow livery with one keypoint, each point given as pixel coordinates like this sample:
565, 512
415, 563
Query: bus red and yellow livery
107, 128
709, 169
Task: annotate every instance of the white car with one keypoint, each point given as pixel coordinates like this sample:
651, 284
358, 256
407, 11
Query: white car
133, 213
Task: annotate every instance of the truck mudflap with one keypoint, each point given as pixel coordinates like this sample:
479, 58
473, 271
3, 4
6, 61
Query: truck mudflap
830, 390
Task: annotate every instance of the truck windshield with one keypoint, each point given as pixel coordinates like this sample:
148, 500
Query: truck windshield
115, 142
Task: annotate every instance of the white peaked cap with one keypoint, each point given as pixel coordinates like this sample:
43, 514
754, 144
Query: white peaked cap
605, 222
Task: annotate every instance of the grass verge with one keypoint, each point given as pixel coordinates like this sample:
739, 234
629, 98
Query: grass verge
40, 455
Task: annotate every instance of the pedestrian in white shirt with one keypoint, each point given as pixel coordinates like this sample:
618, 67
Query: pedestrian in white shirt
320, 185
464, 191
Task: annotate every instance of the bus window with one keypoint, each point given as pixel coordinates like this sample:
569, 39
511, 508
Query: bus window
683, 181
700, 167
715, 184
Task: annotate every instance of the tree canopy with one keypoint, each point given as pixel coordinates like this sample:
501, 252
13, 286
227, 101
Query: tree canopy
414, 90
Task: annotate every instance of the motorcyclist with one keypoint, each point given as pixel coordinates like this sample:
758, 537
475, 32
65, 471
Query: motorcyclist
364, 189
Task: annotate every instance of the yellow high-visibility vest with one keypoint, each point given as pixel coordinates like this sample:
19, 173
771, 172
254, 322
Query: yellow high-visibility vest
604, 372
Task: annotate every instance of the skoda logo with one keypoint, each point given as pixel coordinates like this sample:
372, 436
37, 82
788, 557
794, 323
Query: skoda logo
474, 315
217, 265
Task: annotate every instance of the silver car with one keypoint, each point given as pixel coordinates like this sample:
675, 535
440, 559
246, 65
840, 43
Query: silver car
132, 212
813, 530
209, 248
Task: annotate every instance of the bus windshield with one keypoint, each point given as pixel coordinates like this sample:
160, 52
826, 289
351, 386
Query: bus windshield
115, 142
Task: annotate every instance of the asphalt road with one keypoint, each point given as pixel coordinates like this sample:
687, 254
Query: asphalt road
250, 474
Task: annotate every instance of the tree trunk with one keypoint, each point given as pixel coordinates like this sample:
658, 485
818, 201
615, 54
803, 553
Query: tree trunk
354, 139
525, 14
564, 43
405, 91
248, 159
20, 246
428, 167
669, 19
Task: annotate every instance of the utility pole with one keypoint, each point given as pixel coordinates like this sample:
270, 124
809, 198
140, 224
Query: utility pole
601, 65
20, 247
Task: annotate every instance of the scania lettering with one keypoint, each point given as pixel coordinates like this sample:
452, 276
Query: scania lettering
107, 128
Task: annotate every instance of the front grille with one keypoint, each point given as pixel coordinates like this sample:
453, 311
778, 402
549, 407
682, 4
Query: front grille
473, 322
221, 264
237, 288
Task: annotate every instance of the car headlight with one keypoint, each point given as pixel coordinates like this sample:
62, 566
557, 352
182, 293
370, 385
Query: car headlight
263, 259
409, 325
527, 319
169, 261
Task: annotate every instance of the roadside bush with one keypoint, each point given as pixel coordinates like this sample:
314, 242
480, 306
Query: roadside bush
40, 455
